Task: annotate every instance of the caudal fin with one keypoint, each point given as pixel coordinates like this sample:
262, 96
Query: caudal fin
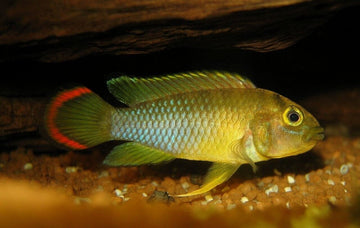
78, 118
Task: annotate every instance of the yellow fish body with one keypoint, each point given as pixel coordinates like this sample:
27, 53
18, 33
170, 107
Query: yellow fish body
207, 116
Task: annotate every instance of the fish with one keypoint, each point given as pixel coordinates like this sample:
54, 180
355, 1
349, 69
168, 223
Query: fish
215, 116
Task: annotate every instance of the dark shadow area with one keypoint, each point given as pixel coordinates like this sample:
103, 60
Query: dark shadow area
324, 61
300, 164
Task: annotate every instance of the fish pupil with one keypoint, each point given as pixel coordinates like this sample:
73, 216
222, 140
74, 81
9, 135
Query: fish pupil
294, 117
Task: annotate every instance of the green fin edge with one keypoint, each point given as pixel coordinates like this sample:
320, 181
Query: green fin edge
218, 173
132, 91
134, 154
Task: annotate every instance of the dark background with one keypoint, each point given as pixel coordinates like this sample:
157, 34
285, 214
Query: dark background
325, 61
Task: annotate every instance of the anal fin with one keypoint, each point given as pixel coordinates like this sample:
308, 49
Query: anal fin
217, 174
134, 154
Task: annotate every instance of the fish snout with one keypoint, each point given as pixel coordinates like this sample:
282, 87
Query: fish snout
316, 133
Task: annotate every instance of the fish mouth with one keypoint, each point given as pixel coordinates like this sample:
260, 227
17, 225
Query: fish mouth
316, 134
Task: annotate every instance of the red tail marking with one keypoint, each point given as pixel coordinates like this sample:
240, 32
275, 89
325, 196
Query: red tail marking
53, 110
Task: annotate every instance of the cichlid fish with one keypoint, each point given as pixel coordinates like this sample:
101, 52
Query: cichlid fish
219, 117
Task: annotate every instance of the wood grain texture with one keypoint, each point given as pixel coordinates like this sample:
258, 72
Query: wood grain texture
58, 30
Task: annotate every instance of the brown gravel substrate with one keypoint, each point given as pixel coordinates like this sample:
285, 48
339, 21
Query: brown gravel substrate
317, 189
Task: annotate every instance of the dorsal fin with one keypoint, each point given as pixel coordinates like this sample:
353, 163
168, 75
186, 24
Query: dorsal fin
132, 91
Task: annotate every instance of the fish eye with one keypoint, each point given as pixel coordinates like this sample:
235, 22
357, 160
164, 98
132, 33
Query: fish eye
293, 116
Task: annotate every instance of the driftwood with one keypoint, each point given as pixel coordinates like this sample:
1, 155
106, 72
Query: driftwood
58, 30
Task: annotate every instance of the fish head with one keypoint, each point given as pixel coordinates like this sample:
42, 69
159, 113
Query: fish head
286, 130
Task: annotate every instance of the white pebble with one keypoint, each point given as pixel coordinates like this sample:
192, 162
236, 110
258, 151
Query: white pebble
185, 185
344, 169
231, 206
118, 193
287, 189
71, 169
273, 188
330, 182
209, 198
144, 194
288, 205
244, 199
290, 179
251, 207
332, 199
307, 177
28, 166
343, 183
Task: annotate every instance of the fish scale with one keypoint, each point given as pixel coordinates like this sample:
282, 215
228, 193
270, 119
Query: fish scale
184, 125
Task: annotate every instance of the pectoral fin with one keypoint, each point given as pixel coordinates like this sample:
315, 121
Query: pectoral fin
217, 174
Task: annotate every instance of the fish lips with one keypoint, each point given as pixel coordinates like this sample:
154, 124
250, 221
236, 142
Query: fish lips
315, 134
